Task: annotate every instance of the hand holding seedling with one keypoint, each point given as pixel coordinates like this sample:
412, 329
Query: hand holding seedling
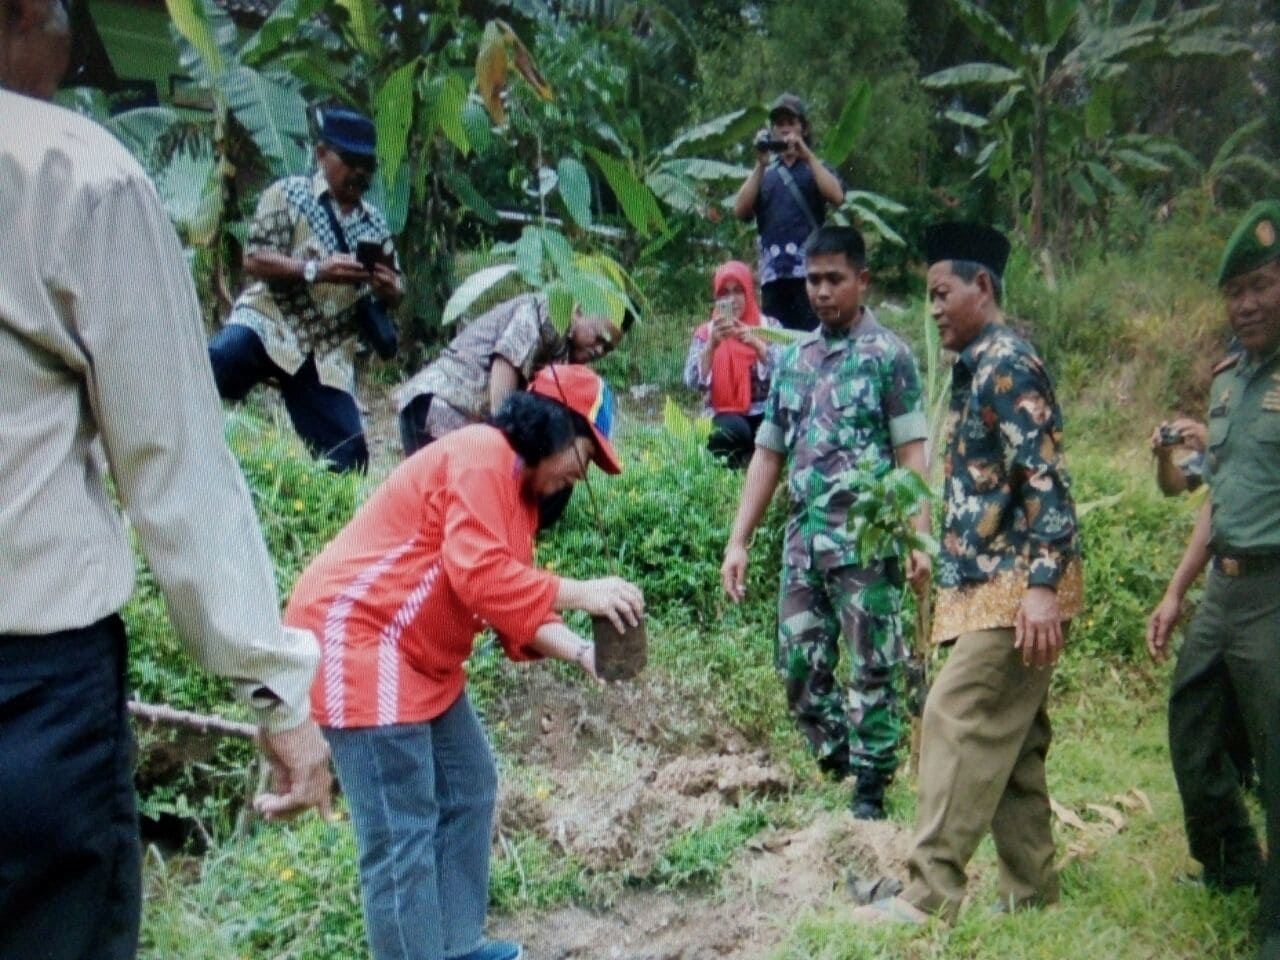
612, 597
300, 777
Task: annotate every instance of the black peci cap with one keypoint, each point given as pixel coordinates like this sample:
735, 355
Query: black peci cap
975, 242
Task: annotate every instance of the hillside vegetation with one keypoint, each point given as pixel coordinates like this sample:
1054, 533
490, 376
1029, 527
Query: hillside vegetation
680, 816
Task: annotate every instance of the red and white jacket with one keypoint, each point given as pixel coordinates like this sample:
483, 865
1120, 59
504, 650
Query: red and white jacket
443, 548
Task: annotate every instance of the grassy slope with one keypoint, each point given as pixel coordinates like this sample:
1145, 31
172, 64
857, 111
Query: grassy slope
1128, 339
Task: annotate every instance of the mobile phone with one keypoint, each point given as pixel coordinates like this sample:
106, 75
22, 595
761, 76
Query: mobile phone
1170, 436
371, 253
727, 310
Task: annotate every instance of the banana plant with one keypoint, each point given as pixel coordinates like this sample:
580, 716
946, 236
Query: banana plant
1052, 79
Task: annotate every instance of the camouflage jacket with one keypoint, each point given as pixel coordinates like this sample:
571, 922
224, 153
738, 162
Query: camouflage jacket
838, 404
1008, 496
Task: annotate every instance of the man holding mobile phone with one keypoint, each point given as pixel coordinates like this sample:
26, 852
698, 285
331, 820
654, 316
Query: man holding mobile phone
788, 193
319, 254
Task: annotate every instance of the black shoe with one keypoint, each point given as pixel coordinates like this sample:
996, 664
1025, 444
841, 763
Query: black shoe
868, 795
834, 768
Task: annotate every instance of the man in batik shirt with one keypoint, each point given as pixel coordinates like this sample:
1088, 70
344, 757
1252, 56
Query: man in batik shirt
1009, 579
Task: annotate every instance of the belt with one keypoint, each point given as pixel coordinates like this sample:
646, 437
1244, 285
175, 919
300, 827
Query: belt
1243, 566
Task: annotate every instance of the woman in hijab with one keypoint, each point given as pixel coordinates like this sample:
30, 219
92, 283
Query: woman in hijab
441, 550
731, 365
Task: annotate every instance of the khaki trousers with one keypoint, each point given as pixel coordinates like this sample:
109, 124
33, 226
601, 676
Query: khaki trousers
984, 739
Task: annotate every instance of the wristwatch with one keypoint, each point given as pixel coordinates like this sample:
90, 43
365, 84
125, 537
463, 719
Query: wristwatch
310, 270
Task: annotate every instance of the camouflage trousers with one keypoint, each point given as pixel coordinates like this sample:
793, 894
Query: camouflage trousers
852, 721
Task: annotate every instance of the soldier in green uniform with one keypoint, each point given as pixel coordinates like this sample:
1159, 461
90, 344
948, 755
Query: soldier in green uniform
846, 397
1232, 647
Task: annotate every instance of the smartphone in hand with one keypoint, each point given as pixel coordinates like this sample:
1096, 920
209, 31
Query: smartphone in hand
370, 253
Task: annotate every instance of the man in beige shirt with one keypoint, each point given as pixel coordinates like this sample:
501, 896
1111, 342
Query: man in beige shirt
103, 368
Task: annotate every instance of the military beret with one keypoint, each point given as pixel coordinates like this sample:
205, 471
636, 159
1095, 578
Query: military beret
975, 242
1256, 241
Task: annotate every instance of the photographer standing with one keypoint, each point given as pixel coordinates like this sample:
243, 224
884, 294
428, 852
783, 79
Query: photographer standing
324, 266
788, 193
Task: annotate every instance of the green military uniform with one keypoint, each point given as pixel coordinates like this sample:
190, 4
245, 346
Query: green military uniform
841, 403
1228, 669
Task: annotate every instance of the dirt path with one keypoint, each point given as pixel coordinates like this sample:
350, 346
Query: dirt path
611, 778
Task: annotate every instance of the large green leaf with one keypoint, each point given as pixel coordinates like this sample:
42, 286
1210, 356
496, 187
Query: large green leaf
575, 189
1106, 179
274, 115
393, 117
838, 144
473, 288
460, 186
529, 256
362, 25
445, 97
475, 122
637, 201
1097, 111
676, 192
210, 33
1004, 106
1082, 189
141, 129
710, 171
1217, 44
970, 75
315, 72
713, 136
992, 34
279, 29
1240, 136
1182, 21
1059, 15
866, 199
964, 118
868, 217
1140, 162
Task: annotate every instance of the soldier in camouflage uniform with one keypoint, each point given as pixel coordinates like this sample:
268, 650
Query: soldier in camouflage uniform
845, 398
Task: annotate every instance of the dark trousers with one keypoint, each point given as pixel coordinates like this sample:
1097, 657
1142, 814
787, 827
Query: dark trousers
1227, 677
414, 434
70, 855
327, 419
787, 301
733, 437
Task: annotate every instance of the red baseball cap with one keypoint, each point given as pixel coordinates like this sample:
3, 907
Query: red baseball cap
581, 390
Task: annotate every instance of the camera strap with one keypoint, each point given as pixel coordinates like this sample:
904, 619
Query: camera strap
339, 234
794, 189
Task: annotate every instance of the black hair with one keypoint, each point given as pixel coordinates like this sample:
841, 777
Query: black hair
968, 270
537, 426
838, 240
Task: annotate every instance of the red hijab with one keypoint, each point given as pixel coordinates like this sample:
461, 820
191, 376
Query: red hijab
733, 362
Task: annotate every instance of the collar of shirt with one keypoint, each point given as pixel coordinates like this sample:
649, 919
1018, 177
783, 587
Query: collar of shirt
970, 355
320, 190
1249, 365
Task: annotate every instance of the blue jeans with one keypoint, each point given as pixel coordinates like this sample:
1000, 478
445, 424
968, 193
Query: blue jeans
422, 798
327, 419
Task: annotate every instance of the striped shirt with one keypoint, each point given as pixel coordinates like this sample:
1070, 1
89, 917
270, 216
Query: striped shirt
442, 549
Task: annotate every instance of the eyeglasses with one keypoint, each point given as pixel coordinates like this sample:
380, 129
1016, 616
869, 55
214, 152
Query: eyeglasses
358, 161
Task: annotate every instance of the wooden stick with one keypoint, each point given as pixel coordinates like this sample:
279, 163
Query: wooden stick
202, 723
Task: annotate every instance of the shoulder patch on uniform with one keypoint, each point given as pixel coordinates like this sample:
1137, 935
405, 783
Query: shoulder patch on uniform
1226, 363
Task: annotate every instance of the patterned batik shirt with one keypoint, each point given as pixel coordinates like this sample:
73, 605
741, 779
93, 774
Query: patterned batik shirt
839, 404
294, 318
1009, 519
518, 330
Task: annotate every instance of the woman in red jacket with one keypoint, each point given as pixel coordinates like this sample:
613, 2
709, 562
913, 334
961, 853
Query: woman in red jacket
441, 550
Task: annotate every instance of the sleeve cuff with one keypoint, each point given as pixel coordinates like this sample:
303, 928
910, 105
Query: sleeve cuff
770, 437
282, 701
908, 428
